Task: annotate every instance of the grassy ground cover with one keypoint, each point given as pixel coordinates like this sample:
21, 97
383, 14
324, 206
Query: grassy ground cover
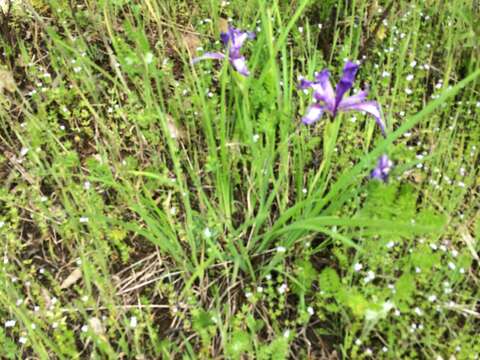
154, 209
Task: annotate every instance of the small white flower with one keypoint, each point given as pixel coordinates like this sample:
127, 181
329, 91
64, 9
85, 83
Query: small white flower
413, 64
357, 267
461, 270
358, 342
207, 233
387, 306
133, 322
281, 249
83, 219
304, 190
432, 298
77, 69
409, 77
370, 276
286, 334
368, 352
260, 289
452, 266
385, 74
310, 311
148, 58
19, 302
248, 295
84, 328
433, 246
418, 311
10, 323
408, 91
282, 289
54, 325
300, 29
22, 339
2, 224
390, 244
461, 184
418, 270
384, 349
24, 151
255, 138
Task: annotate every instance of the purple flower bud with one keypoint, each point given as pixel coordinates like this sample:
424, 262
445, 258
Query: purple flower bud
383, 168
234, 40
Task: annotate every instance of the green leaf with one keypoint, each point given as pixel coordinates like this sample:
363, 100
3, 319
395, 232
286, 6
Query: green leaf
202, 320
405, 287
330, 281
357, 303
239, 344
306, 274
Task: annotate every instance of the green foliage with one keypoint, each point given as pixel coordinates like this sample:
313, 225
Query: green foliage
239, 344
155, 209
329, 281
306, 274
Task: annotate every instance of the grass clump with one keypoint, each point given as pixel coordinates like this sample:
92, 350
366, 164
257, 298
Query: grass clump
154, 209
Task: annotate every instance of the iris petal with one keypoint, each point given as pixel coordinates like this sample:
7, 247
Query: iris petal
370, 107
209, 56
305, 84
382, 170
354, 99
346, 82
313, 114
240, 64
323, 79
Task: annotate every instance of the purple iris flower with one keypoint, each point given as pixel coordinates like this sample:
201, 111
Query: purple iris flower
234, 40
384, 165
333, 101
